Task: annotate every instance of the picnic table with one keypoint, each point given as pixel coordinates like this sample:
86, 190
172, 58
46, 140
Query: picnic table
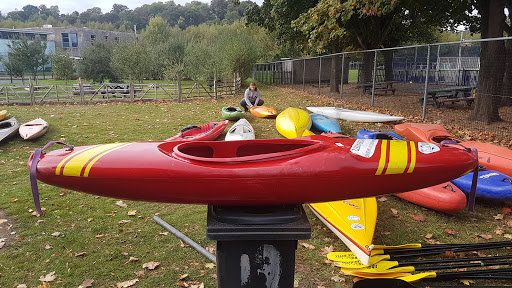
379, 87
437, 97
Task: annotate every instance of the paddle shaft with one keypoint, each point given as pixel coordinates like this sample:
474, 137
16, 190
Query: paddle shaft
420, 247
475, 273
447, 247
396, 283
457, 250
427, 262
465, 265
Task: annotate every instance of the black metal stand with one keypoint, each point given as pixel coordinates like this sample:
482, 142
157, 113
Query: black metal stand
256, 245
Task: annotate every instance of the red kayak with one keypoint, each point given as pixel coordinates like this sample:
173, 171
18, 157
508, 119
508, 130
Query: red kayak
491, 156
271, 171
204, 132
444, 197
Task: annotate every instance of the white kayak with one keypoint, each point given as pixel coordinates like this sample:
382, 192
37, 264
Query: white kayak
354, 115
8, 128
33, 129
241, 130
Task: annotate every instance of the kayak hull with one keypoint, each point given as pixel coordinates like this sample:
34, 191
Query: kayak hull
8, 128
444, 197
263, 111
33, 129
197, 171
353, 221
206, 132
368, 134
293, 123
491, 156
3, 113
232, 113
354, 115
491, 185
241, 130
325, 123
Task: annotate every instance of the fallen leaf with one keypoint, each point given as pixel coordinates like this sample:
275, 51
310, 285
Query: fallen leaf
418, 218
326, 250
508, 236
163, 233
327, 239
337, 279
56, 234
99, 236
210, 248
508, 222
498, 217
48, 278
306, 245
2, 245
183, 276
182, 284
506, 210
429, 236
151, 265
47, 246
14, 199
90, 219
126, 284
63, 192
121, 204
498, 231
3, 221
86, 283
140, 274
124, 221
132, 212
394, 211
21, 286
81, 254
132, 259
44, 285
467, 282
450, 232
382, 199
209, 265
485, 236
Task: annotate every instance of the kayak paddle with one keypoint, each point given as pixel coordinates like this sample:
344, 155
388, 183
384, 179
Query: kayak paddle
396, 283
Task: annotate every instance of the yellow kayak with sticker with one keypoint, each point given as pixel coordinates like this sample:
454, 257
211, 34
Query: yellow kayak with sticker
353, 221
293, 122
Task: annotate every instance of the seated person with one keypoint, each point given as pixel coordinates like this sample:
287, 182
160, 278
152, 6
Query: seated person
251, 97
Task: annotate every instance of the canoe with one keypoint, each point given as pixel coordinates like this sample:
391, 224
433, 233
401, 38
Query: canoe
490, 156
33, 129
8, 128
3, 113
293, 123
241, 130
369, 134
232, 113
354, 115
263, 111
491, 185
204, 132
325, 123
444, 197
197, 171
353, 221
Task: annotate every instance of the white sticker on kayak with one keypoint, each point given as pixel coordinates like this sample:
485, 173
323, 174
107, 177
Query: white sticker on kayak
364, 147
353, 218
427, 148
488, 175
357, 226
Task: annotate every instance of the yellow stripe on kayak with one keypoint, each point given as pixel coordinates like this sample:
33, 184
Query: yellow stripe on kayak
76, 164
383, 155
89, 166
413, 157
397, 157
59, 167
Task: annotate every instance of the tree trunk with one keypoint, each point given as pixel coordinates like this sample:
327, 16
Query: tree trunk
388, 64
333, 84
507, 83
366, 68
346, 70
492, 66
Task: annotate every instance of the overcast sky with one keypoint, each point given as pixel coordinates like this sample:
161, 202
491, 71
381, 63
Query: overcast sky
67, 6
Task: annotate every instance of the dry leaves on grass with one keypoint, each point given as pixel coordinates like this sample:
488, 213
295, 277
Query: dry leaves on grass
48, 277
121, 204
429, 236
132, 259
183, 276
124, 221
126, 284
382, 199
132, 212
86, 283
467, 282
498, 217
450, 232
506, 210
498, 231
306, 245
151, 265
56, 234
209, 265
418, 218
192, 284
326, 250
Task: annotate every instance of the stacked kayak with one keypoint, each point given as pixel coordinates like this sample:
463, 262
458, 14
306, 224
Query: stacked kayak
206, 132
3, 113
443, 197
353, 221
197, 171
325, 123
263, 111
492, 185
490, 156
33, 129
241, 130
232, 113
354, 115
8, 128
293, 123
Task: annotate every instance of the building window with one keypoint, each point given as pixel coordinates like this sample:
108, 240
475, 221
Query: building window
69, 40
116, 39
93, 37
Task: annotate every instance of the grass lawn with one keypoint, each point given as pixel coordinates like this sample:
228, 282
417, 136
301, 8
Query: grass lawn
93, 241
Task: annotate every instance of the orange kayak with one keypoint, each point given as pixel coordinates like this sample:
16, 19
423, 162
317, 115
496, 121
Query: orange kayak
491, 156
263, 111
444, 197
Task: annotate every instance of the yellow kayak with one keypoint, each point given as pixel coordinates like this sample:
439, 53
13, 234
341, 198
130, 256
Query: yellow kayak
353, 221
293, 122
2, 114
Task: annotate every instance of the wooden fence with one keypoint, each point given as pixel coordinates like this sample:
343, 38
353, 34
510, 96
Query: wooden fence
86, 92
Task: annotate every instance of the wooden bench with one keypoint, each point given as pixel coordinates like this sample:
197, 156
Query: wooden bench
437, 97
380, 87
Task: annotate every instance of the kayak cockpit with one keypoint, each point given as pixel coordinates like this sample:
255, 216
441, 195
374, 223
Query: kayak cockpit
441, 138
237, 151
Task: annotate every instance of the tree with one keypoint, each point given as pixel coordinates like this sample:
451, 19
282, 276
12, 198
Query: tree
96, 62
219, 8
158, 31
63, 67
13, 67
130, 60
28, 54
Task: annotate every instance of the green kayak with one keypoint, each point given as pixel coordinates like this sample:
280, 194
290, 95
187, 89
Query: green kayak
232, 113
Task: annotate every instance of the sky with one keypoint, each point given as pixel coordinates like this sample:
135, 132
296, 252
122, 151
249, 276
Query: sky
67, 6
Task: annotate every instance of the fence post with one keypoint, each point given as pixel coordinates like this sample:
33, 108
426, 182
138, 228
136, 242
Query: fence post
426, 85
319, 75
180, 93
374, 77
292, 66
132, 91
304, 75
82, 92
215, 84
31, 91
342, 75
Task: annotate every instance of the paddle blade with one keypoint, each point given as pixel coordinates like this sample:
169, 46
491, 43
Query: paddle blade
356, 264
380, 269
380, 275
347, 256
404, 246
419, 276
387, 282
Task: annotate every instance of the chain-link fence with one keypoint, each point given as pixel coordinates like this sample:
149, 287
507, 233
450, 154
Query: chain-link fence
433, 83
